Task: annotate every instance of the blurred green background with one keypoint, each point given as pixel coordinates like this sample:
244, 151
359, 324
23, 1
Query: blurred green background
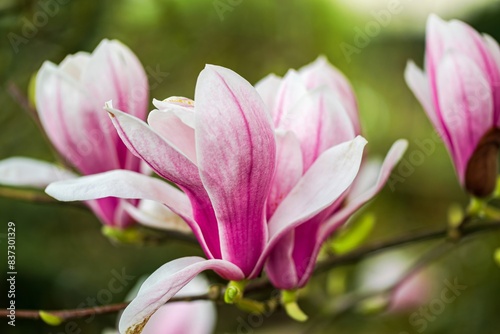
62, 258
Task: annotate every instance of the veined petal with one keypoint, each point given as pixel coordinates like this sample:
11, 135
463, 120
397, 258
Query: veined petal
291, 90
121, 184
236, 158
327, 228
288, 169
128, 185
320, 122
465, 100
393, 156
326, 180
169, 163
418, 82
280, 266
164, 283
27, 172
321, 73
72, 122
170, 126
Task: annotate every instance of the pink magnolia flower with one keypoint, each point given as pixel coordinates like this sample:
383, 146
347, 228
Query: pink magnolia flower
460, 93
314, 110
385, 271
221, 153
69, 99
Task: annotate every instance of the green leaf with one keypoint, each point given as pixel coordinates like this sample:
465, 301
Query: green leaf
496, 256
50, 319
32, 90
131, 235
353, 234
373, 305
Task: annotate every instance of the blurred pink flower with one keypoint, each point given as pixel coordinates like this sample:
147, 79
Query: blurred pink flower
384, 271
69, 100
314, 110
460, 92
221, 152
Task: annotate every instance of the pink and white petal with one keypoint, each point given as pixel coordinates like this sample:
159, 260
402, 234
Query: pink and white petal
392, 158
418, 82
164, 283
292, 89
280, 266
288, 169
268, 88
157, 215
151, 147
236, 159
339, 218
73, 65
27, 172
171, 127
172, 165
69, 118
177, 318
366, 178
121, 184
120, 77
327, 179
129, 185
181, 106
321, 114
322, 73
465, 100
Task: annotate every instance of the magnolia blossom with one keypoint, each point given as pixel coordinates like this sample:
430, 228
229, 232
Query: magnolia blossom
460, 93
69, 100
221, 152
313, 110
385, 271
196, 317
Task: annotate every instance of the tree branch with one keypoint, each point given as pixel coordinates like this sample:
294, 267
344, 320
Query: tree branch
216, 292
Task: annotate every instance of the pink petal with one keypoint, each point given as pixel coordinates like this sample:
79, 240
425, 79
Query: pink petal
419, 84
157, 215
27, 172
392, 158
127, 184
236, 157
169, 163
268, 89
171, 127
327, 228
165, 282
320, 121
291, 90
466, 106
288, 169
320, 187
280, 266
72, 122
177, 318
322, 73
182, 107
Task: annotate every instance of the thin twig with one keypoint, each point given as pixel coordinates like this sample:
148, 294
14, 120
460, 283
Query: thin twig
263, 284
